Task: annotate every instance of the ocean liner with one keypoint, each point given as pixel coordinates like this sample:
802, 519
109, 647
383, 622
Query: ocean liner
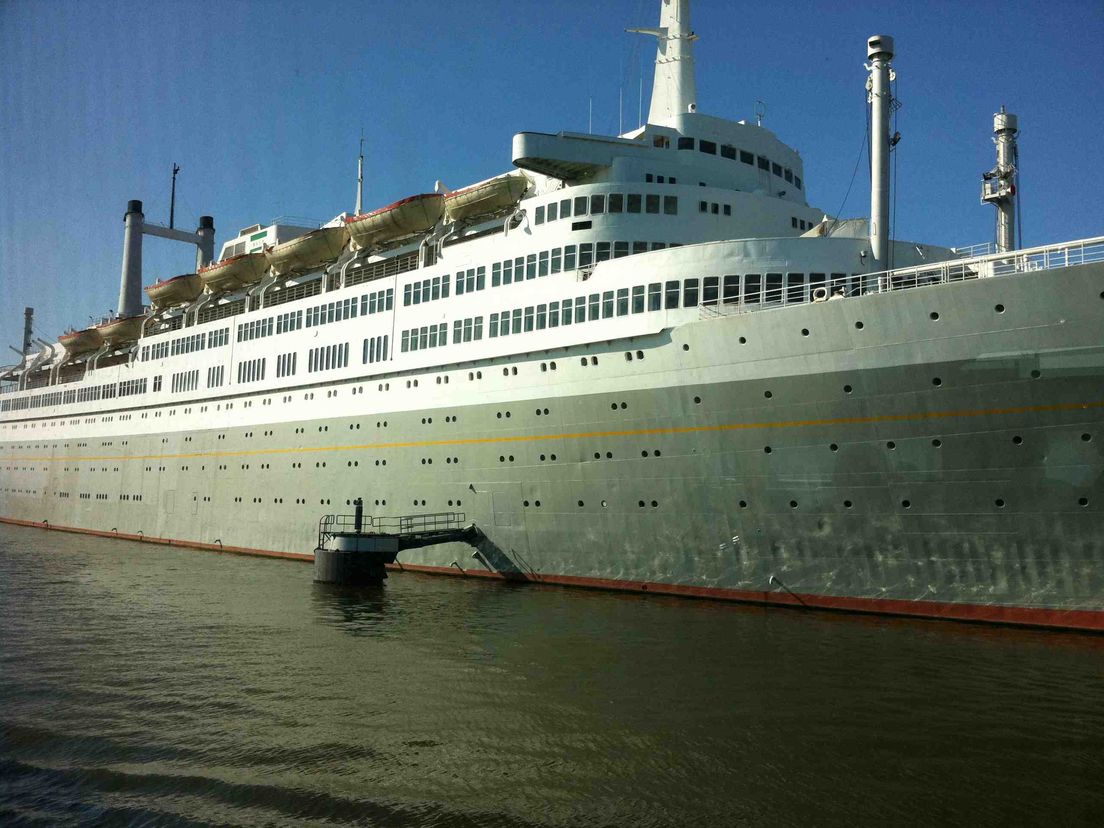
638, 362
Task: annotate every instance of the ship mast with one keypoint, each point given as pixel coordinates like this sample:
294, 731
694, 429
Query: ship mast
879, 51
998, 186
360, 179
674, 91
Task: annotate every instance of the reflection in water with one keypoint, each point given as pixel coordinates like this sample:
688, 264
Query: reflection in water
153, 684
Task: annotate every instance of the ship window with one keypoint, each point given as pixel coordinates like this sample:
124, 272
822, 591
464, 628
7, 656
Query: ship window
764, 164
467, 330
752, 284
538, 218
529, 318
816, 280
504, 324
660, 179
553, 211
795, 287
727, 209
565, 208
492, 326
480, 277
620, 249
566, 311
496, 274
671, 300
580, 205
731, 289
602, 252
715, 208
623, 302
633, 203
542, 263
569, 257
651, 203
594, 307
649, 178
670, 205
772, 288
793, 222
689, 293
655, 296
709, 290
531, 266
746, 157
607, 304
516, 321
776, 169
708, 147
703, 206
586, 254
616, 202
580, 225
685, 143
507, 271
416, 294
435, 288
789, 175
597, 204
728, 151
553, 314
797, 182
556, 259
638, 299
542, 317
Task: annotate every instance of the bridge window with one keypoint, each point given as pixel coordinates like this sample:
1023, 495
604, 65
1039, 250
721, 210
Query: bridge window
633, 203
685, 143
538, 218
689, 293
764, 164
651, 203
597, 204
616, 202
670, 205
728, 151
746, 157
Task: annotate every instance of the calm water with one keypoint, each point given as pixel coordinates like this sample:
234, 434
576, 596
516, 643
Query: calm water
149, 685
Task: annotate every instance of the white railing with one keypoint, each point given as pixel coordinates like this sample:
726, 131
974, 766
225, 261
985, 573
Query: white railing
773, 291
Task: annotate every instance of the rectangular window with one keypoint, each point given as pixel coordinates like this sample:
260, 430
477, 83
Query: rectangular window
633, 204
566, 311
391, 298
504, 324
710, 287
789, 175
480, 277
496, 274
507, 271
714, 208
703, 206
728, 209
553, 314
651, 203
433, 337
641, 247
622, 301
746, 157
655, 296
542, 317
586, 254
594, 307
569, 257
752, 282
477, 328
816, 280
529, 318
468, 330
620, 249
557, 259
764, 164
542, 263
795, 288
685, 143
539, 217
638, 299
671, 298
492, 326
435, 288
531, 266
690, 293
417, 293
772, 288
731, 294
553, 211
728, 151
580, 205
597, 204
516, 321
797, 181
607, 304
457, 331
616, 202
708, 147
776, 169
670, 205
649, 178
469, 280
565, 208
423, 338
602, 252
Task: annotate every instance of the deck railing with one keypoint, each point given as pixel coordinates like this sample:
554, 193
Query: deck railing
775, 293
330, 525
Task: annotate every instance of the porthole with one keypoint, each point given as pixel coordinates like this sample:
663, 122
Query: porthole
999, 502
743, 340
847, 504
933, 316
640, 503
604, 504
999, 308
891, 445
1017, 440
525, 503
536, 503
833, 447
1082, 501
583, 361
697, 400
936, 381
793, 504
859, 326
906, 504
743, 504
1036, 374
768, 394
847, 389
936, 443
804, 331
685, 347
1086, 438
767, 449
580, 503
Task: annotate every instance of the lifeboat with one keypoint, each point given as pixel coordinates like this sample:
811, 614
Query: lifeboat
233, 273
122, 330
487, 197
179, 290
416, 214
79, 342
307, 252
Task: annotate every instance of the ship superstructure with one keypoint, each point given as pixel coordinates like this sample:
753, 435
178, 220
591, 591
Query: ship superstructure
641, 362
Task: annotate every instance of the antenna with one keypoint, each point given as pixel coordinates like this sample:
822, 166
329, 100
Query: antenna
620, 109
360, 177
172, 197
760, 112
590, 120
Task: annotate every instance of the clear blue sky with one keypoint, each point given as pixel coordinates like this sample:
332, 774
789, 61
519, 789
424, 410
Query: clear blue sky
262, 105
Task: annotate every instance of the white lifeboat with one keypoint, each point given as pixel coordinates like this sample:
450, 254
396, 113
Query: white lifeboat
179, 290
234, 272
307, 252
79, 342
122, 330
487, 197
416, 214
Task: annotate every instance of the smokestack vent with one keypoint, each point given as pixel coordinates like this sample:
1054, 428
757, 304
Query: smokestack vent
206, 222
134, 206
879, 45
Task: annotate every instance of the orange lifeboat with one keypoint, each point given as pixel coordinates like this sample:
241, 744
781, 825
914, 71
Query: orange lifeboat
122, 330
179, 290
79, 342
234, 272
408, 217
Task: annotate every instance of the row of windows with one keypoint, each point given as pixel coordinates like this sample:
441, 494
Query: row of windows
96, 392
134, 386
467, 330
427, 336
285, 365
375, 349
186, 344
600, 203
730, 152
251, 370
427, 290
290, 321
378, 301
215, 376
327, 357
256, 329
185, 381
332, 312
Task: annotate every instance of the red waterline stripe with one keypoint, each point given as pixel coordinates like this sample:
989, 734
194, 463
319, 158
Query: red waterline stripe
1083, 620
